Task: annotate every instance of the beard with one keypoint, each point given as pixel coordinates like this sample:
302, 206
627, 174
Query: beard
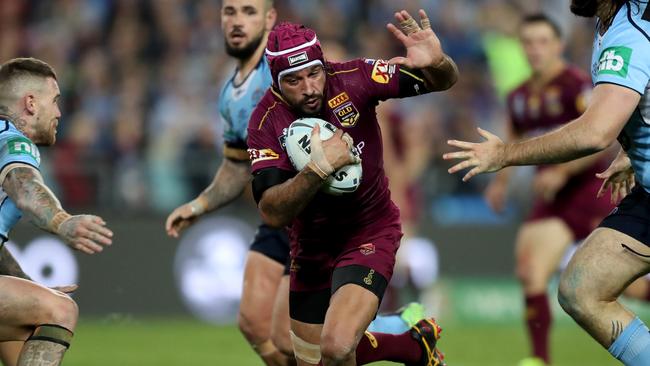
302, 108
245, 51
43, 135
584, 8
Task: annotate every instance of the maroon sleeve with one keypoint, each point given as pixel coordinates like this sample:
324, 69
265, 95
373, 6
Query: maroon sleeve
264, 144
385, 81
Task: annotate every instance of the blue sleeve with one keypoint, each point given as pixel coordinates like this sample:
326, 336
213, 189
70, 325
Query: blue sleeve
16, 148
624, 58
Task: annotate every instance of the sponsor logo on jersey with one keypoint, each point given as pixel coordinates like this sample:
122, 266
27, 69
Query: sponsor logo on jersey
263, 154
283, 139
614, 61
23, 146
298, 58
382, 72
338, 100
367, 249
347, 114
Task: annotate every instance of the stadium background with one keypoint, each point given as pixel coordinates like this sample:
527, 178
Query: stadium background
140, 135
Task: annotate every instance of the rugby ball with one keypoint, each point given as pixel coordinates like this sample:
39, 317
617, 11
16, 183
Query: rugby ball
298, 145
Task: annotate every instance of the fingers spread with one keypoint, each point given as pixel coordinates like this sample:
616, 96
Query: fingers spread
424, 19
461, 144
463, 165
458, 155
471, 173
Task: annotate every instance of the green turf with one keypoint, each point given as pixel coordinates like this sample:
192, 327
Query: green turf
188, 342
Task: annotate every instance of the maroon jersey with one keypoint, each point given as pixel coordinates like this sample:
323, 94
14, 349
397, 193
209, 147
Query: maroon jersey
534, 112
563, 99
353, 90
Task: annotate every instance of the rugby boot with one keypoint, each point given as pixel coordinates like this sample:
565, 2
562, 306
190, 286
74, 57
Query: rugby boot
427, 332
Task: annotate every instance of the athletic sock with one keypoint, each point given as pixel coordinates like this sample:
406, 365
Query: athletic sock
388, 347
632, 347
538, 319
389, 324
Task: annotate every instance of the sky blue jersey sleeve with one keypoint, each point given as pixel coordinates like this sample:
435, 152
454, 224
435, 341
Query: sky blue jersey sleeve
622, 55
16, 148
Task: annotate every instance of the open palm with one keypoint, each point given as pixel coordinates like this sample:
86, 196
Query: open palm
422, 45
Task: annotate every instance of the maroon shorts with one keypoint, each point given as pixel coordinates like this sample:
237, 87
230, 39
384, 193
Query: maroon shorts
318, 269
576, 204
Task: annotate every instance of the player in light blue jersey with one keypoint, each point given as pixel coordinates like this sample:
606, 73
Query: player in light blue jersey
245, 25
42, 318
617, 252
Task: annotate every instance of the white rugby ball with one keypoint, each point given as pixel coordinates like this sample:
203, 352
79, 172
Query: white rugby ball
298, 145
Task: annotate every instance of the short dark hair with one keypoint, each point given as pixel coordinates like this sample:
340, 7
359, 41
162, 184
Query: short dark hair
541, 18
25, 66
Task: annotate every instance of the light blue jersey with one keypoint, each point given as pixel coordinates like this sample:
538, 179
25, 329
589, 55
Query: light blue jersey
15, 150
622, 56
237, 102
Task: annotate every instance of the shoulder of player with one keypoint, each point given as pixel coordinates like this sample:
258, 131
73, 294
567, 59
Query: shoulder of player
630, 28
346, 68
9, 132
637, 18
270, 108
573, 74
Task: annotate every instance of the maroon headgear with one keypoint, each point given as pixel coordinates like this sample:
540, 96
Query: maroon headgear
292, 47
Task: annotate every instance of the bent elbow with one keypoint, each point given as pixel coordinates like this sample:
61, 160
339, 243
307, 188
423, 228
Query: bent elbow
271, 219
601, 142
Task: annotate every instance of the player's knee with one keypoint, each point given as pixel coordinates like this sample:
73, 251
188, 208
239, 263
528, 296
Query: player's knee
570, 300
337, 348
252, 328
60, 310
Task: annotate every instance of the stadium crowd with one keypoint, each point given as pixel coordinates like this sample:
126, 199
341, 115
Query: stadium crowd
140, 82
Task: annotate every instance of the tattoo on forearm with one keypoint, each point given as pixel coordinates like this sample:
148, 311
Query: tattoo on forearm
9, 266
288, 199
228, 184
441, 77
617, 329
26, 188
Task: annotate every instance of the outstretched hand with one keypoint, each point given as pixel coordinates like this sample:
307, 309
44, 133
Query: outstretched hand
619, 176
423, 47
86, 233
484, 157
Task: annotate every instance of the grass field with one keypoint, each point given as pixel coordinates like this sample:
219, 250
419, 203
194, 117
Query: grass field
189, 342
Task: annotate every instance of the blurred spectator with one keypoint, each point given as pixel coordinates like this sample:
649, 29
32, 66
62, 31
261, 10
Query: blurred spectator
140, 123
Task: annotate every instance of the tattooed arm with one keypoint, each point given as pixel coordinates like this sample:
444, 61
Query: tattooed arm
230, 181
25, 186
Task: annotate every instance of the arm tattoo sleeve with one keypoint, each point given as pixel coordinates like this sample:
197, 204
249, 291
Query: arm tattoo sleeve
26, 188
228, 184
283, 202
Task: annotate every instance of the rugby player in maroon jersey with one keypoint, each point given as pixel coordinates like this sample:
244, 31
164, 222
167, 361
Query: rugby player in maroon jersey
342, 247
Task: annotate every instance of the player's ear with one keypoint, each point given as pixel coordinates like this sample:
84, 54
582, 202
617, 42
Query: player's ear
271, 17
29, 101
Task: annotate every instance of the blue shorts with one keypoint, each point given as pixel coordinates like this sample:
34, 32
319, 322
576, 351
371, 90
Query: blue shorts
632, 216
273, 243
